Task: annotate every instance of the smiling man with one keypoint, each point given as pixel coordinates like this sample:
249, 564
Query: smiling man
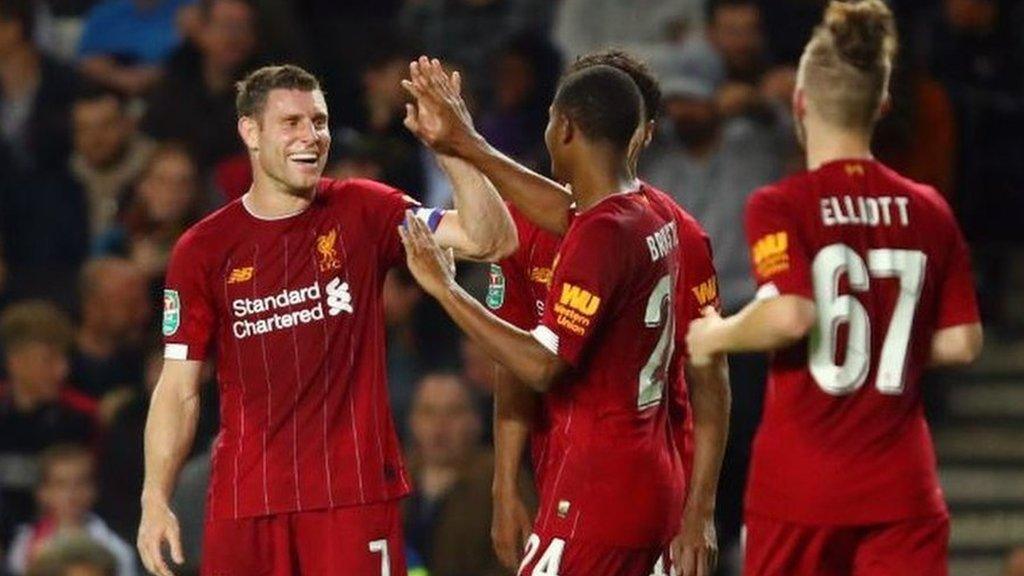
284, 287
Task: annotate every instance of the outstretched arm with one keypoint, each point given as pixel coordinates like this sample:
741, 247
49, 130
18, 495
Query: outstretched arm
480, 228
763, 325
445, 125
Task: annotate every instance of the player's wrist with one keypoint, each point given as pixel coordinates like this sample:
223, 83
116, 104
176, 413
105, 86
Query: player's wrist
505, 489
153, 496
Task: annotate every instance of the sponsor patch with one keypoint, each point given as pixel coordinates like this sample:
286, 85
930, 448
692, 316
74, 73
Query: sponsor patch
172, 312
770, 254
706, 292
496, 288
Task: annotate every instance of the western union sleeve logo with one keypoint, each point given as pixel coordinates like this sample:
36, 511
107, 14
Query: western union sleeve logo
771, 254
579, 299
575, 308
706, 292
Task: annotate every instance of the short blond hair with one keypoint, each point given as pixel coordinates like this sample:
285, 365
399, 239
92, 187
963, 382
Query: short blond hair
846, 66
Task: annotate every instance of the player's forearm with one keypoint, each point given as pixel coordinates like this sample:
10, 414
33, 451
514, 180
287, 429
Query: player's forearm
514, 411
711, 400
542, 200
484, 218
170, 430
765, 325
515, 349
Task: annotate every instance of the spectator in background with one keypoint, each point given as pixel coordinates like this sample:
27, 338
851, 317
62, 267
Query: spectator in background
42, 219
467, 32
195, 102
35, 94
115, 309
640, 26
447, 518
974, 48
109, 154
36, 408
74, 556
125, 43
526, 68
163, 204
383, 104
753, 85
65, 496
711, 164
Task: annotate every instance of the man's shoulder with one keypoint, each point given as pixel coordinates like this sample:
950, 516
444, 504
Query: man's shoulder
211, 228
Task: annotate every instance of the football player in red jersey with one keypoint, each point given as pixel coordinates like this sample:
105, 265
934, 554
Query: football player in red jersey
284, 287
518, 290
607, 423
864, 282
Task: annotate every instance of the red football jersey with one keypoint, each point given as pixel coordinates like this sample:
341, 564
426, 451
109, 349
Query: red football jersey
292, 308
844, 438
613, 474
519, 287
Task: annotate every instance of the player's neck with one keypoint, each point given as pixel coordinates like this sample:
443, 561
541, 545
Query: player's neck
590, 186
826, 144
269, 200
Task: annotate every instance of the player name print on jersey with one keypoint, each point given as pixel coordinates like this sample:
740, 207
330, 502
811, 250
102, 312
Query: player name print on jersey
865, 211
289, 308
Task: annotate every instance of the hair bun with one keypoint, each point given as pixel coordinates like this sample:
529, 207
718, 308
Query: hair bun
864, 31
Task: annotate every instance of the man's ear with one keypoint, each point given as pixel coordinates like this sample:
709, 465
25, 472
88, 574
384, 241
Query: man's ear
566, 129
799, 103
249, 130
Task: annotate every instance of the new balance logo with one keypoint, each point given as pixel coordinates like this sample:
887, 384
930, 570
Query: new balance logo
339, 299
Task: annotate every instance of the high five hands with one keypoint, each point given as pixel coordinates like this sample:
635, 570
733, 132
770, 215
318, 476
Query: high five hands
439, 116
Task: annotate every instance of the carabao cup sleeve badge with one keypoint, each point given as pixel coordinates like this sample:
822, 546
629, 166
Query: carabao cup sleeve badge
496, 288
172, 312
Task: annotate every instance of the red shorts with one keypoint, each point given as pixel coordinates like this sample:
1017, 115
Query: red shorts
547, 556
917, 546
364, 540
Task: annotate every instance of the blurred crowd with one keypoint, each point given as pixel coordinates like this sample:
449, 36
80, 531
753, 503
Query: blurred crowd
117, 132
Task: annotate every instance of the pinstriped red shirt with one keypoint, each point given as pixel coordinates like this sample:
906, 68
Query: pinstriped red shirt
291, 309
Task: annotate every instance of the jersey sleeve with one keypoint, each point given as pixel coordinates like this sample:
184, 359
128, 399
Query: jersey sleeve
778, 258
958, 302
508, 295
698, 288
386, 208
508, 292
189, 317
583, 288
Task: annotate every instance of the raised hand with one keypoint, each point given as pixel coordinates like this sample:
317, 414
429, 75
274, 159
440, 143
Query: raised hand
439, 117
